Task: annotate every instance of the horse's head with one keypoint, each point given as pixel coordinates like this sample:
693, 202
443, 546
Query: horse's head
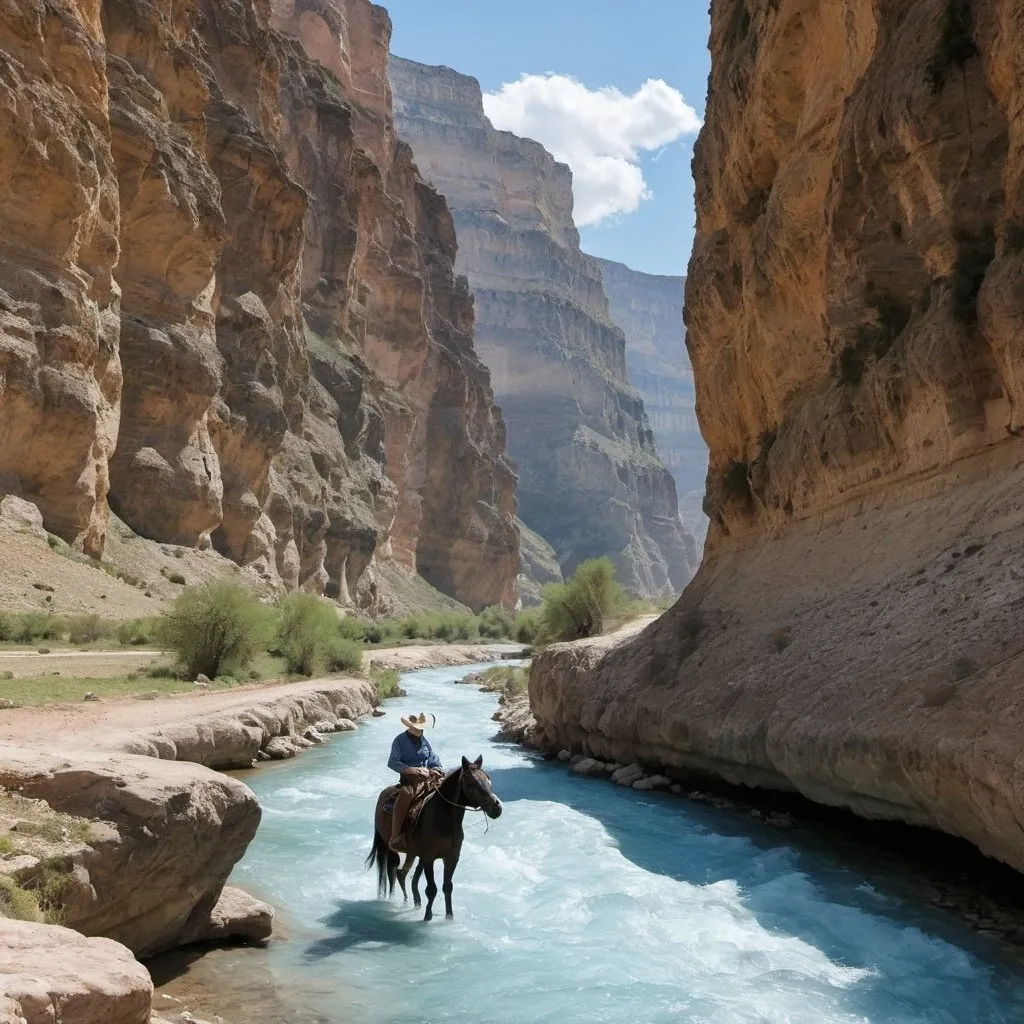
476, 788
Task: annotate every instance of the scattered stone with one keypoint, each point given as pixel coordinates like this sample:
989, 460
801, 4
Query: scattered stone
90, 696
628, 775
588, 767
676, 788
300, 742
280, 748
19, 865
201, 686
313, 736
654, 782
6, 704
262, 755
22, 516
237, 915
377, 713
564, 755
323, 726
780, 819
575, 759
345, 725
44, 587
202, 680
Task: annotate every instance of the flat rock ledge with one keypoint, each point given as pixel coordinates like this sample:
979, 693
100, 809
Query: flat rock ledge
238, 917
235, 739
50, 975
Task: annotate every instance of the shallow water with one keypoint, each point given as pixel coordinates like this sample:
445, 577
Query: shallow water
588, 903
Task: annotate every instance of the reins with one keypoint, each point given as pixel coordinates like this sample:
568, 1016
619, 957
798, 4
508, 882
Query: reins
465, 807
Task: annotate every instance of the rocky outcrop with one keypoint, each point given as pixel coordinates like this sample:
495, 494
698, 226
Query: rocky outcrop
234, 738
852, 304
52, 974
590, 481
254, 284
649, 309
540, 566
162, 839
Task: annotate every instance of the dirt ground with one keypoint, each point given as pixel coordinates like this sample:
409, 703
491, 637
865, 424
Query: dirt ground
86, 725
76, 664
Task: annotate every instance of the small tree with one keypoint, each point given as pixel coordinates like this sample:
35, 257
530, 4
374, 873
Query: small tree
213, 629
307, 633
579, 608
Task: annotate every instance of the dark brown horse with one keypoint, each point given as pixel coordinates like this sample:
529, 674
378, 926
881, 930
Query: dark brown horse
437, 835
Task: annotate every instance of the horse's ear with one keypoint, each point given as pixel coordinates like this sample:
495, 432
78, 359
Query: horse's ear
465, 762
479, 762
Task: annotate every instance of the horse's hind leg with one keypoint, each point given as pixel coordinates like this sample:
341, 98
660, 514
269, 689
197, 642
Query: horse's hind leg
450, 864
417, 874
428, 867
402, 872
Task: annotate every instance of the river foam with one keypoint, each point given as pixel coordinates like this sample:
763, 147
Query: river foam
588, 903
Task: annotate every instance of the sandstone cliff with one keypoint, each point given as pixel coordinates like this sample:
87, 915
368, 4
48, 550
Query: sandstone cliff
649, 309
590, 481
854, 305
228, 300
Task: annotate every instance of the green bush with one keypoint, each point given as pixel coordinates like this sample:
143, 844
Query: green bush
386, 681
86, 629
351, 628
213, 629
307, 632
497, 623
579, 608
136, 632
6, 628
528, 626
345, 656
176, 577
16, 903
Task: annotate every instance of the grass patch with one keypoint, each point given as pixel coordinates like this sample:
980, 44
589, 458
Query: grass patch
386, 680
17, 903
511, 681
6, 846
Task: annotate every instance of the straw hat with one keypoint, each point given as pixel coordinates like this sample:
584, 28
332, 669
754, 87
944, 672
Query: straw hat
420, 721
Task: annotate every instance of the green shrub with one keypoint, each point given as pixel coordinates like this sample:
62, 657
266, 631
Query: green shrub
307, 631
414, 628
33, 626
86, 629
351, 628
136, 632
17, 903
579, 608
497, 623
176, 577
6, 846
345, 656
213, 629
386, 681
6, 628
528, 626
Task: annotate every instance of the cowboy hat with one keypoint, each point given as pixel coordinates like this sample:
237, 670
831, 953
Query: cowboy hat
420, 721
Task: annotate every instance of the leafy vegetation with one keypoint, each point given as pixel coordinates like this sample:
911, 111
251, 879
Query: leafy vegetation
16, 903
386, 681
214, 630
505, 679
580, 607
307, 631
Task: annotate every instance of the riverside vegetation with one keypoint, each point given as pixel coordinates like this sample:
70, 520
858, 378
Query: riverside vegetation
222, 635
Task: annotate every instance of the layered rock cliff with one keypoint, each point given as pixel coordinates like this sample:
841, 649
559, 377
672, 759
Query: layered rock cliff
590, 481
229, 301
649, 309
854, 305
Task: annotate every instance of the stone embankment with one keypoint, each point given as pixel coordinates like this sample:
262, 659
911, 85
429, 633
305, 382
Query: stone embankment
161, 829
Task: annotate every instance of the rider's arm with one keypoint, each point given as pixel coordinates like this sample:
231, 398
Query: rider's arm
433, 761
395, 762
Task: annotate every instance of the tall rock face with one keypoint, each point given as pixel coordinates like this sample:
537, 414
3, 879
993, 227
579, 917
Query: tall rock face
229, 301
590, 481
649, 309
854, 305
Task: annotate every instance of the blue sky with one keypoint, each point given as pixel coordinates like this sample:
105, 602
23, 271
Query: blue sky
599, 43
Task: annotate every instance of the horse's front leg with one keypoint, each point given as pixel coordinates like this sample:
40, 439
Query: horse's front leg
416, 876
450, 864
428, 867
402, 872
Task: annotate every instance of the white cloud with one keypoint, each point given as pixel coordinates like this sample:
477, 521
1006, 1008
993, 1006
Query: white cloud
599, 133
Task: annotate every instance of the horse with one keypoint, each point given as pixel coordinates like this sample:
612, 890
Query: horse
437, 835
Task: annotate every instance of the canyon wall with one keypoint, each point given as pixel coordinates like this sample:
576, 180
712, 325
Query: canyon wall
229, 302
649, 309
854, 310
590, 481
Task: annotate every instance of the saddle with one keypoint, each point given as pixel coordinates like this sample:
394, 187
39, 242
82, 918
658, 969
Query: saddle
422, 795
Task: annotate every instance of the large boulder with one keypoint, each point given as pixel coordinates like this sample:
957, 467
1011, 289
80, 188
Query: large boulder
50, 975
164, 839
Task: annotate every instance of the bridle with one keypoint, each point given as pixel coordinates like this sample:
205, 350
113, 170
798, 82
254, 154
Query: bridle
465, 807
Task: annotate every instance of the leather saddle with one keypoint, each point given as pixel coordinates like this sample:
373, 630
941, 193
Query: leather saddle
422, 795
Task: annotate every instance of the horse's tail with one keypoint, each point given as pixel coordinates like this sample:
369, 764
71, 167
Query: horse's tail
387, 862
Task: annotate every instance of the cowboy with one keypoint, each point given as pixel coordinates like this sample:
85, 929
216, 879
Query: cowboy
415, 761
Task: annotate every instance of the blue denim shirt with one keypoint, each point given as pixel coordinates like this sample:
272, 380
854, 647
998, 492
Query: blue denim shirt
412, 752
